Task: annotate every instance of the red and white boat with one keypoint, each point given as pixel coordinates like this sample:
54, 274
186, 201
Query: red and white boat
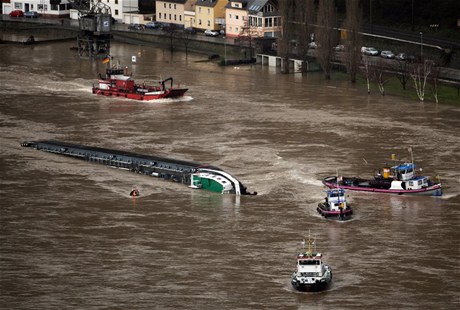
118, 83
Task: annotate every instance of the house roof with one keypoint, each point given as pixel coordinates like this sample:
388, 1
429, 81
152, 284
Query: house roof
176, 1
207, 3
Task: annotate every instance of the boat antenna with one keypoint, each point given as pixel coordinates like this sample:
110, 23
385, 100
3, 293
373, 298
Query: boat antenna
411, 156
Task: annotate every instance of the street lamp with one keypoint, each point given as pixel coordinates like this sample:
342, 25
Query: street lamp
421, 46
225, 50
370, 13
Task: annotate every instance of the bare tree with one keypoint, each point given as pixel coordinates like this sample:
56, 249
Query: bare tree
305, 17
367, 73
419, 75
402, 69
380, 75
353, 40
286, 13
326, 35
434, 78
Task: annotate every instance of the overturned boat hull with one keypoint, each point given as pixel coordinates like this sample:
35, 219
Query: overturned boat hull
156, 166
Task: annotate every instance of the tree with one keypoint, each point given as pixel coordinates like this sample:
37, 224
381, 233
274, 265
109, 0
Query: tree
379, 73
403, 69
419, 75
305, 17
353, 38
326, 35
287, 15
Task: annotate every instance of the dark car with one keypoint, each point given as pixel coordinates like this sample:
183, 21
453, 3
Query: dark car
31, 14
17, 13
190, 30
136, 27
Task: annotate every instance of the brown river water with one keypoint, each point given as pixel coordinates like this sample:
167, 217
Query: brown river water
71, 237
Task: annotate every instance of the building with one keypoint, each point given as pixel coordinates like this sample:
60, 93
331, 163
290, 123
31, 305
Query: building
173, 11
51, 8
254, 18
210, 14
236, 17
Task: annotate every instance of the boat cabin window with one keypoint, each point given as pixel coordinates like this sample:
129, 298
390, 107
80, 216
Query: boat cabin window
309, 262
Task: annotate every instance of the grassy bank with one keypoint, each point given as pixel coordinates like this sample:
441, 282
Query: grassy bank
446, 94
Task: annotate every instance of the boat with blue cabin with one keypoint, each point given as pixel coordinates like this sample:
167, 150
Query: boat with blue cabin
398, 179
335, 205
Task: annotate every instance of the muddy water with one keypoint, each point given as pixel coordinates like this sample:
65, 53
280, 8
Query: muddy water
71, 237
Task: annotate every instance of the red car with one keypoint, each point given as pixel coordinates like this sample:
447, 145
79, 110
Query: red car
17, 13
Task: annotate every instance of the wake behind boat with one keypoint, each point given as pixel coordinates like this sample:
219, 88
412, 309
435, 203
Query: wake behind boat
117, 82
399, 179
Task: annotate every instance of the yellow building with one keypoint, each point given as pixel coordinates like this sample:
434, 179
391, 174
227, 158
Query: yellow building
174, 11
210, 14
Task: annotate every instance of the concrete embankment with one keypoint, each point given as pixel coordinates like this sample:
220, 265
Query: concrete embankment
18, 31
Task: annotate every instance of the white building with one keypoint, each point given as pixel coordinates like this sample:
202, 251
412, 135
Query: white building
43, 7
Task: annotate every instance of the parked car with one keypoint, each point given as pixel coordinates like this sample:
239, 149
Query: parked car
31, 14
405, 57
190, 30
211, 33
312, 45
16, 13
370, 51
339, 48
136, 27
152, 25
387, 54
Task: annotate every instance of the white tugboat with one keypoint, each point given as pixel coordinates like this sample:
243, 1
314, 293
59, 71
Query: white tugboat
312, 274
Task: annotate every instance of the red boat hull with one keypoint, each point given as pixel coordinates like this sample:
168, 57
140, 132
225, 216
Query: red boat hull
169, 93
433, 190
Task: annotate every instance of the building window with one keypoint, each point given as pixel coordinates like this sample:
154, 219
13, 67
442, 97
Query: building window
159, 15
175, 17
229, 16
18, 5
170, 5
116, 1
180, 17
209, 11
236, 17
169, 16
116, 12
199, 22
164, 5
174, 6
209, 23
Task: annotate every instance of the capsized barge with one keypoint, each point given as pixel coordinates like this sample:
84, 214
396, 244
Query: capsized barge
193, 174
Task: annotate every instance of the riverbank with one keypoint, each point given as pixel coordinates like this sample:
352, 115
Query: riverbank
46, 31
447, 94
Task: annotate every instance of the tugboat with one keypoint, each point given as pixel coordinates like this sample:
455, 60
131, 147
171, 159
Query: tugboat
312, 274
335, 205
398, 179
117, 82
